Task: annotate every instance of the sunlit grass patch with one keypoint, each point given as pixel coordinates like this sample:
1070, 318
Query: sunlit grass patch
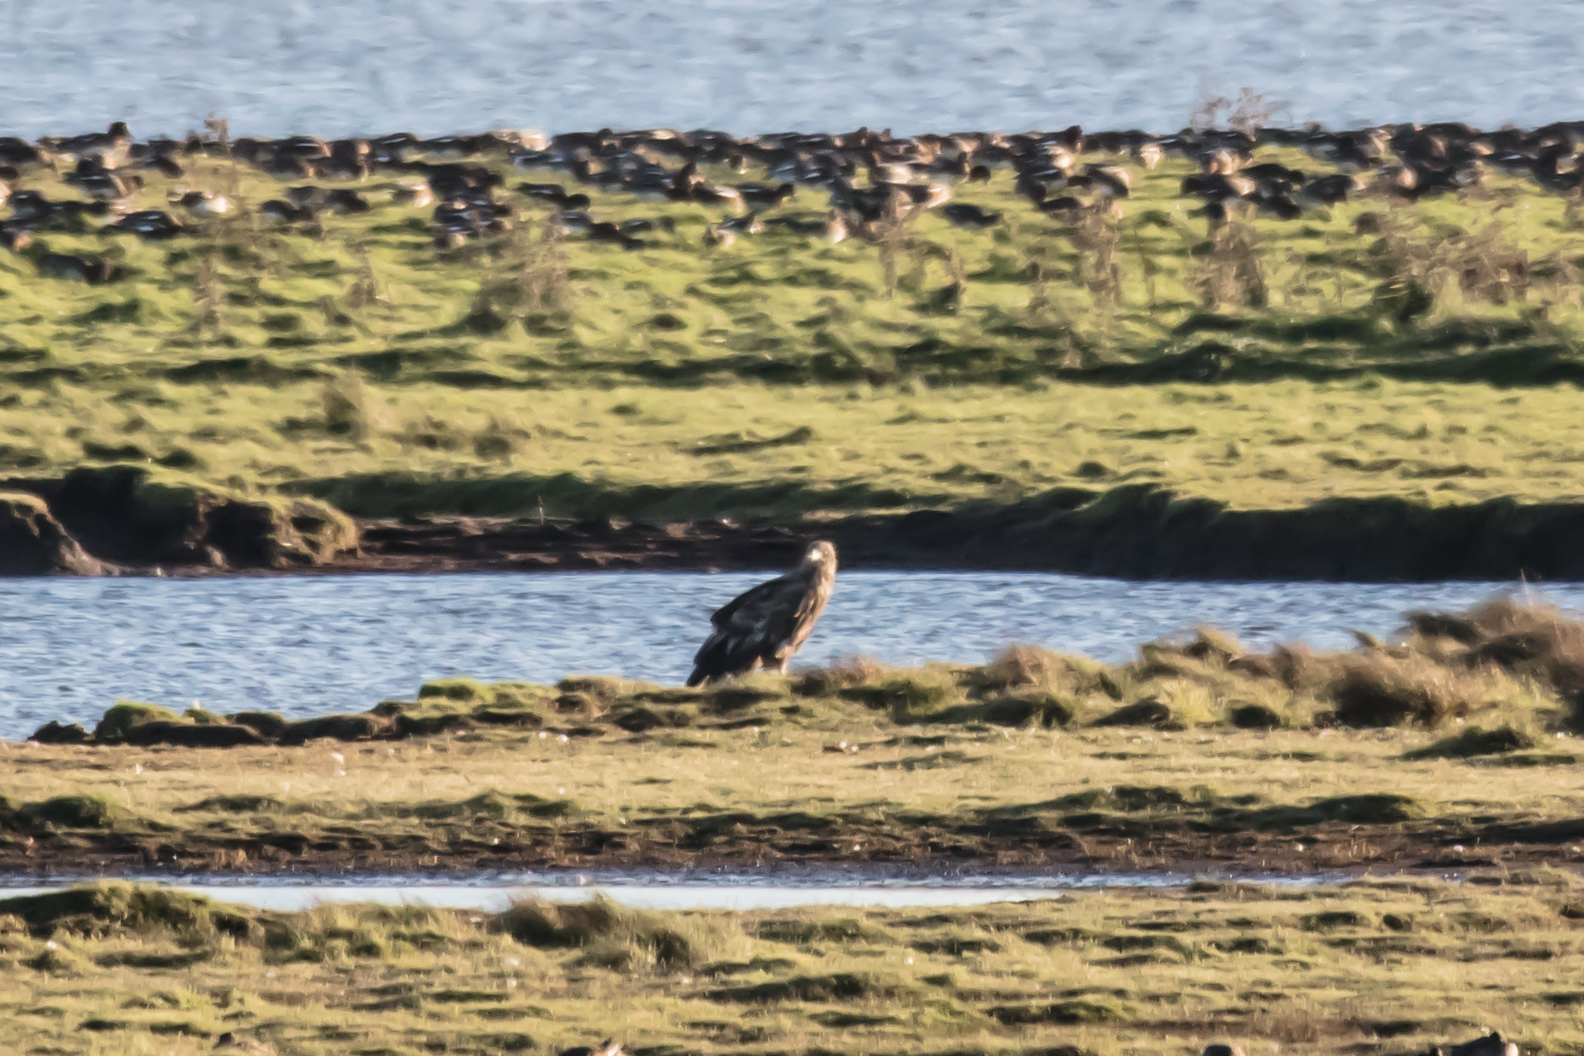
1312, 969
787, 378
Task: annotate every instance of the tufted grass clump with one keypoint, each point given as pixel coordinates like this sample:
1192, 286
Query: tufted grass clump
344, 403
112, 906
127, 713
607, 935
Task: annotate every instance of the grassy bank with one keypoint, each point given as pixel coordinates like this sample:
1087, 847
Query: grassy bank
1366, 967
1455, 746
790, 454
924, 365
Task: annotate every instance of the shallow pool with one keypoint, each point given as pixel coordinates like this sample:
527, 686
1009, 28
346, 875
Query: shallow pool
648, 889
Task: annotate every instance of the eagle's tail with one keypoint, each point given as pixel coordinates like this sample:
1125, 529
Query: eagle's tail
706, 662
720, 657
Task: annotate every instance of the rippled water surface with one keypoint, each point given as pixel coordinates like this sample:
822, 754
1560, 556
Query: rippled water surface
308, 645
282, 66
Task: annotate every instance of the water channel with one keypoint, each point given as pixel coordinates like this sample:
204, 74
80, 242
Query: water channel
277, 67
313, 645
648, 889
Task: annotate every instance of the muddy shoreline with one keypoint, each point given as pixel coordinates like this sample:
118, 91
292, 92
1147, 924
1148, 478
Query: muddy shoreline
1324, 848
114, 522
1130, 533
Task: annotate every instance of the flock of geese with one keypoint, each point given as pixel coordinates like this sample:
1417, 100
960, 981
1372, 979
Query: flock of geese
868, 177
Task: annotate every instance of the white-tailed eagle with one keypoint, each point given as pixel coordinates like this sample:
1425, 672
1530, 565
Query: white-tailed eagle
764, 626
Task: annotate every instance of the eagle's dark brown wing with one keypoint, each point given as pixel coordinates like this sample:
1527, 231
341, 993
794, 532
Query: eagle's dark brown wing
752, 627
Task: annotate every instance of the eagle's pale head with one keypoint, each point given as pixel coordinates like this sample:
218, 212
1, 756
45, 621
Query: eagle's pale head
820, 554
